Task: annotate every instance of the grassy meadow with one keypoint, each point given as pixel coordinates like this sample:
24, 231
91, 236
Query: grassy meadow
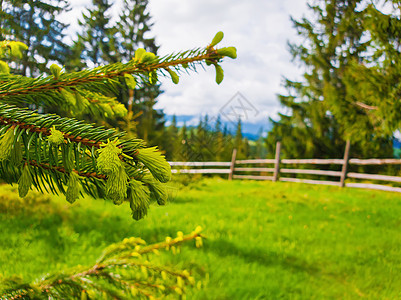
265, 240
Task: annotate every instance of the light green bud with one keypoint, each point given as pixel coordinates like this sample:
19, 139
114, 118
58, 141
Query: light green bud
174, 76
108, 161
120, 110
217, 38
106, 109
219, 74
56, 137
24, 182
157, 189
153, 159
6, 144
55, 70
82, 102
228, 51
15, 50
73, 188
148, 56
139, 199
139, 53
116, 186
130, 81
16, 155
4, 68
69, 97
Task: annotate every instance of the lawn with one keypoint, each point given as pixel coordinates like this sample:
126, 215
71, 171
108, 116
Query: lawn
265, 240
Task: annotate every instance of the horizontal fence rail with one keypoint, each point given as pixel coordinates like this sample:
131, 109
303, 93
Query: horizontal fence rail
313, 161
269, 169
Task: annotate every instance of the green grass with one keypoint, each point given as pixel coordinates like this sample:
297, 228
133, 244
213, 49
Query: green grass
264, 240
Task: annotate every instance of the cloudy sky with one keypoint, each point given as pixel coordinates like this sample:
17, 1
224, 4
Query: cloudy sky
258, 29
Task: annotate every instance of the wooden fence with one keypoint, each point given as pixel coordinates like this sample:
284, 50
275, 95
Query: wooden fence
235, 170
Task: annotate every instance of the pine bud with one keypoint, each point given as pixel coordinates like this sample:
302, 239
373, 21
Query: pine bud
55, 70
148, 56
116, 186
178, 290
16, 48
73, 188
6, 144
69, 97
157, 189
4, 68
198, 229
106, 109
198, 242
155, 162
228, 51
108, 161
130, 81
16, 155
24, 182
120, 110
217, 38
56, 137
174, 76
139, 53
82, 102
180, 282
139, 199
219, 74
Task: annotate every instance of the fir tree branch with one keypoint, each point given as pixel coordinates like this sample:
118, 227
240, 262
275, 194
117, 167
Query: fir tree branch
68, 156
73, 130
104, 78
123, 271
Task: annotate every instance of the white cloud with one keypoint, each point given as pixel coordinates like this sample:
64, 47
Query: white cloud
259, 30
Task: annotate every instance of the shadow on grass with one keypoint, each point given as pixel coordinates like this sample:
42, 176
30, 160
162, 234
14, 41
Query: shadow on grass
260, 256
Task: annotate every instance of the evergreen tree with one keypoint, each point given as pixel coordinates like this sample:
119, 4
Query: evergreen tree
133, 32
134, 26
220, 143
97, 37
182, 152
64, 155
240, 143
373, 82
172, 140
34, 23
102, 42
312, 129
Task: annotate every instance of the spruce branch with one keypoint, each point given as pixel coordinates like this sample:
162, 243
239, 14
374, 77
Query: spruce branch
123, 271
64, 155
104, 78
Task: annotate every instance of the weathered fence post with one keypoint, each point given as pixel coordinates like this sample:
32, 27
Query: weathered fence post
345, 164
232, 166
277, 162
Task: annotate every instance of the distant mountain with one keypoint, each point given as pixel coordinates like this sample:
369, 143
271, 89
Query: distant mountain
250, 130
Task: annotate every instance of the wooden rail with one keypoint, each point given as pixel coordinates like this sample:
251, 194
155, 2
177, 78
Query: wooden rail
269, 169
